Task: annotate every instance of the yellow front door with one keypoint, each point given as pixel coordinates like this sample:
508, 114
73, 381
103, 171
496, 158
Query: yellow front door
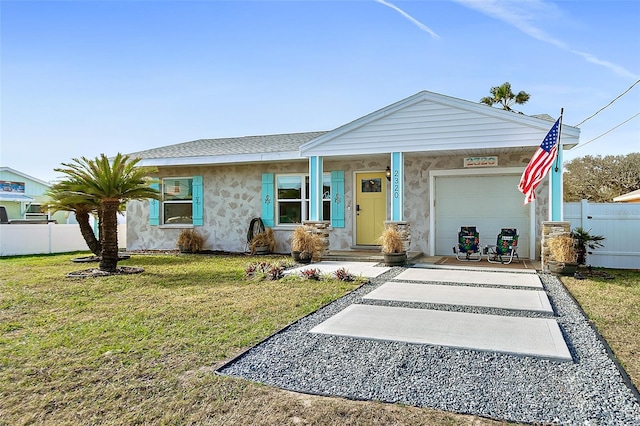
371, 207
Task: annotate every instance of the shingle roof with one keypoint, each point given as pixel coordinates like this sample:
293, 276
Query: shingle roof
230, 146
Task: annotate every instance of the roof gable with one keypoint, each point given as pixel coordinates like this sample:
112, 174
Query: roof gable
429, 121
7, 173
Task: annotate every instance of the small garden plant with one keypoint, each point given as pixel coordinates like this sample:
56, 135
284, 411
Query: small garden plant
275, 271
343, 274
311, 274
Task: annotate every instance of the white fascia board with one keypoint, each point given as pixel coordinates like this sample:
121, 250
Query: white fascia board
629, 197
220, 159
452, 145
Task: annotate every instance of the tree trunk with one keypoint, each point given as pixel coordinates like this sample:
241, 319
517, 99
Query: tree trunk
109, 235
87, 232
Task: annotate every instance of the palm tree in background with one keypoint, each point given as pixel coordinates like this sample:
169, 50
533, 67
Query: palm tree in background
108, 185
504, 96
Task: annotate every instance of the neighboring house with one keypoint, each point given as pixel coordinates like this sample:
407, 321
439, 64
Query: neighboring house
630, 197
432, 161
22, 196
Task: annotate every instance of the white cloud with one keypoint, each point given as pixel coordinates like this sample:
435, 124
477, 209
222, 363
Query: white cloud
525, 14
410, 18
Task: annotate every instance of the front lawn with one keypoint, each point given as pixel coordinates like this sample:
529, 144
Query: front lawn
614, 307
142, 349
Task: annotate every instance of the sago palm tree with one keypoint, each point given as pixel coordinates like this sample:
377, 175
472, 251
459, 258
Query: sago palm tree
504, 96
64, 196
108, 184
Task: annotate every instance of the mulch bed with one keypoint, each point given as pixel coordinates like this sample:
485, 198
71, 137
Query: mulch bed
96, 272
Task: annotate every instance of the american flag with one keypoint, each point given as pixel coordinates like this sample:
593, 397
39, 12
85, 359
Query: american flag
539, 164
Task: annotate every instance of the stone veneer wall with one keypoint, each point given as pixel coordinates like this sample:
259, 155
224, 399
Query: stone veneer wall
232, 197
550, 230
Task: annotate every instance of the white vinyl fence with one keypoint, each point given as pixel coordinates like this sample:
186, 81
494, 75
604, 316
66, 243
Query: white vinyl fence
19, 239
619, 223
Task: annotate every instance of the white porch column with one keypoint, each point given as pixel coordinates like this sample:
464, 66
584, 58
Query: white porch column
315, 188
397, 186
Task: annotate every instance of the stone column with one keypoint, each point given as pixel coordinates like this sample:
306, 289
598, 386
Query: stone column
550, 230
320, 227
404, 228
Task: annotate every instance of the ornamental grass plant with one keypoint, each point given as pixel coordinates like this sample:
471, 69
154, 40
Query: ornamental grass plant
307, 242
264, 239
391, 240
190, 240
562, 248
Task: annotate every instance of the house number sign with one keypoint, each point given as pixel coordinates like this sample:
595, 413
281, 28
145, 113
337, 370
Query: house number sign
486, 161
396, 184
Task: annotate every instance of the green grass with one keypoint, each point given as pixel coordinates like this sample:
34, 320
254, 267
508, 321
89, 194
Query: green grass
614, 307
142, 349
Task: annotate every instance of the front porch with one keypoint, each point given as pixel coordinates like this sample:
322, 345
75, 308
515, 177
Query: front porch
373, 254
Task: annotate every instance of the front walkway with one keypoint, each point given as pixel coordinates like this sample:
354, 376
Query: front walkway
416, 338
525, 334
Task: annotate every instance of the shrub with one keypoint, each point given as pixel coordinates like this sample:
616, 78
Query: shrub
584, 241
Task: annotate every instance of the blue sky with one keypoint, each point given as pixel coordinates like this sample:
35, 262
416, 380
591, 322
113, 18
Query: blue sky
81, 78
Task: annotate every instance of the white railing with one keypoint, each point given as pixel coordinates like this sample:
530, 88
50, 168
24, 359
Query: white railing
21, 239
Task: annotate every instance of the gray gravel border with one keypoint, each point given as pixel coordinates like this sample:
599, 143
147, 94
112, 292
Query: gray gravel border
591, 390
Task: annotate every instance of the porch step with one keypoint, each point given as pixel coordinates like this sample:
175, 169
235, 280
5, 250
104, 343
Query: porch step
364, 256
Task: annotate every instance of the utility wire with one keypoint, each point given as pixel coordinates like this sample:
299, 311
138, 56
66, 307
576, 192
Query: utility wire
606, 106
608, 131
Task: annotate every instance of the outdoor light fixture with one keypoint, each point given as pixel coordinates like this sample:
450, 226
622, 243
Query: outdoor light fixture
388, 174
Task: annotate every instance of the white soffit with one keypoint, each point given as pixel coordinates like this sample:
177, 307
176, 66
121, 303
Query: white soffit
432, 122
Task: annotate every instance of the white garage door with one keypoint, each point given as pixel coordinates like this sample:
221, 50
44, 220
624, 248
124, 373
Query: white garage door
487, 202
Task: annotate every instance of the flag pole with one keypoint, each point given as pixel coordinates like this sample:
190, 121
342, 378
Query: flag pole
558, 140
556, 212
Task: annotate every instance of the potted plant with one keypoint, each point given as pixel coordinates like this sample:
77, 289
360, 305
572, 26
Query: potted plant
263, 242
392, 246
583, 241
306, 244
190, 241
563, 255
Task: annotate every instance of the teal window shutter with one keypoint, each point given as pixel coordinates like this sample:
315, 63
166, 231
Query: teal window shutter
154, 208
268, 207
197, 192
337, 199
